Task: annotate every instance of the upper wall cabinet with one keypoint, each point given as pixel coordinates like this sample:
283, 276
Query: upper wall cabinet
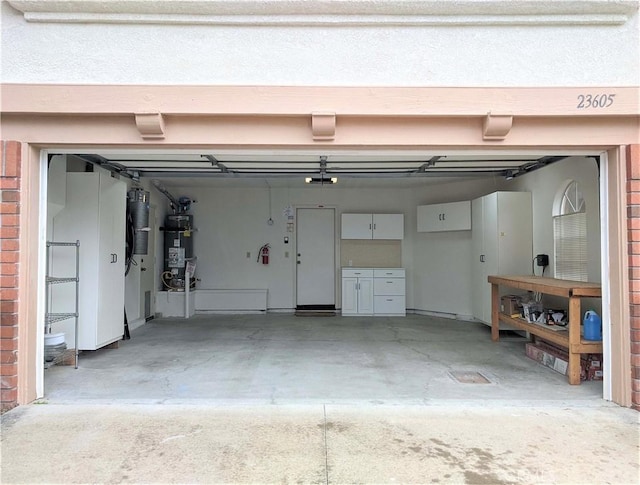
372, 226
454, 216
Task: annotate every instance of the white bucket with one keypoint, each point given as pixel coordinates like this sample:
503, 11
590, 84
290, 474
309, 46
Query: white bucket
53, 338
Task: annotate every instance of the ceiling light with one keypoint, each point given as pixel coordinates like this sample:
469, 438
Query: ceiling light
321, 180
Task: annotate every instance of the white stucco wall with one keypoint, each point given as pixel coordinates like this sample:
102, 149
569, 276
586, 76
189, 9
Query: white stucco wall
593, 44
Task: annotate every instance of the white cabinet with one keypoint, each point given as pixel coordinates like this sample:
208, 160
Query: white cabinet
94, 214
388, 226
357, 291
501, 241
357, 226
372, 226
389, 292
453, 216
373, 291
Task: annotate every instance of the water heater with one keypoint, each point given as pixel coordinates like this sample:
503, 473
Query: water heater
178, 250
139, 211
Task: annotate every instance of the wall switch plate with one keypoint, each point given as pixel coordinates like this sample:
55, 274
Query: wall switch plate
286, 254
286, 239
248, 254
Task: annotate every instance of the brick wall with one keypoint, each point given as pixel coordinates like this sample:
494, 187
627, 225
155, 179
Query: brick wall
10, 156
633, 210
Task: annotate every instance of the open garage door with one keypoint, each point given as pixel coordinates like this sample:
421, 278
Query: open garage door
229, 193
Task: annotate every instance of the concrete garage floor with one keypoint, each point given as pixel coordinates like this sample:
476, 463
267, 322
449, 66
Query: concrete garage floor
283, 359
283, 399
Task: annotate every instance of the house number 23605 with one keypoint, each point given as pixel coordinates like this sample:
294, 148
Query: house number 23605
595, 100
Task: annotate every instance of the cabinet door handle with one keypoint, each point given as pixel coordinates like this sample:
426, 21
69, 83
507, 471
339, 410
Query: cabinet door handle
443, 217
369, 226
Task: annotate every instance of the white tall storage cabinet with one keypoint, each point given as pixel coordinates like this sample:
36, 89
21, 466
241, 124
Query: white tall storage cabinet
502, 243
94, 214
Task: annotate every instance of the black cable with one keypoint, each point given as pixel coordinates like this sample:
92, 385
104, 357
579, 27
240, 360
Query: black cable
129, 242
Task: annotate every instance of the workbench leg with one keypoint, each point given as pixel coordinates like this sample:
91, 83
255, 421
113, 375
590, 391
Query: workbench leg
495, 308
574, 340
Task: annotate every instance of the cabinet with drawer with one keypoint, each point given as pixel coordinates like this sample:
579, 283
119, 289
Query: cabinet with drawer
373, 291
389, 292
357, 291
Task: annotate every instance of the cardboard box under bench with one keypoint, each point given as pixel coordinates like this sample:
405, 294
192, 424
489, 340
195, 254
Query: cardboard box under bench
511, 305
591, 367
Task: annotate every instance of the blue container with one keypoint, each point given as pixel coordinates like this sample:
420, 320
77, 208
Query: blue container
592, 326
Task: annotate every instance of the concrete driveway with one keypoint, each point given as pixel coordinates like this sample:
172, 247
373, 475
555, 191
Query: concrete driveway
482, 442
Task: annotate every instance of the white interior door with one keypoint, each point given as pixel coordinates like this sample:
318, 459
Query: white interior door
315, 269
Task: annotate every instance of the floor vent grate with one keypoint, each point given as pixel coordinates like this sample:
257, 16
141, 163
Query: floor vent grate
469, 377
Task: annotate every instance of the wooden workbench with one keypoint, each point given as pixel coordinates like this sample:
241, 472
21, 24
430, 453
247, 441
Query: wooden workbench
571, 340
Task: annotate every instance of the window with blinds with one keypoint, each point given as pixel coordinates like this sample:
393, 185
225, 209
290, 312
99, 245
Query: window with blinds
570, 235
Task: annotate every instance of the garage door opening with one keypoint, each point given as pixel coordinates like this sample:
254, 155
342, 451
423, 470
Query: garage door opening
241, 340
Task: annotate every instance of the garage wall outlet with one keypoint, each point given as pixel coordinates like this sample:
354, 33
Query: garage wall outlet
542, 260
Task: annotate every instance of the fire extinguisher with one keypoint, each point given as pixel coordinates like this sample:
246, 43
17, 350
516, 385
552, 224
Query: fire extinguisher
263, 253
